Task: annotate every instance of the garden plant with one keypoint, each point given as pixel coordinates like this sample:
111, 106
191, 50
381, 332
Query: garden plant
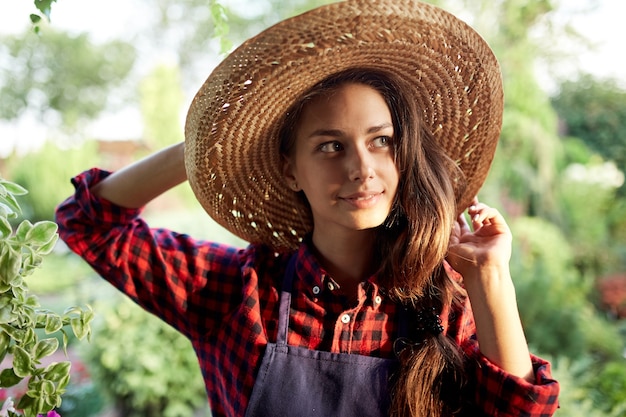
22, 320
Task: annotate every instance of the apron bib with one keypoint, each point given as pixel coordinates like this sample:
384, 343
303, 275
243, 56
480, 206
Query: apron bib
295, 381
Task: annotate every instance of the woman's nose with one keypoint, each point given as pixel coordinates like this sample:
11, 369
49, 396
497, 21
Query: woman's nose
360, 165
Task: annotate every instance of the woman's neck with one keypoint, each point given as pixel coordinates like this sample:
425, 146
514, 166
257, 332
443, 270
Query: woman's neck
348, 258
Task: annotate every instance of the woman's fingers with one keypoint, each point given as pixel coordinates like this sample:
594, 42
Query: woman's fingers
482, 215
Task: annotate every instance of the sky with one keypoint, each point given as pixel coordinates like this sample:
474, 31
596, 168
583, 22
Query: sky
112, 19
604, 28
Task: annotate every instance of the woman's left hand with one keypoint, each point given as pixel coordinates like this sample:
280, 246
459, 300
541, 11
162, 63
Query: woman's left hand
485, 246
481, 254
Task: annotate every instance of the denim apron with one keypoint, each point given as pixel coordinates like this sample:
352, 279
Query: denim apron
296, 381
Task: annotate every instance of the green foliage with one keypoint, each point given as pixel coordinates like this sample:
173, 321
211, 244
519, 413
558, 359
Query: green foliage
44, 8
524, 169
559, 318
578, 378
525, 164
608, 387
21, 251
594, 110
221, 27
46, 174
145, 366
575, 151
74, 88
586, 192
161, 101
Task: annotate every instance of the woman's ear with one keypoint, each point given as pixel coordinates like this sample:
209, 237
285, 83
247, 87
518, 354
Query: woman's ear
288, 173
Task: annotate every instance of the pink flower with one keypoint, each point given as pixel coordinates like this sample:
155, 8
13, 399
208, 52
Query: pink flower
50, 414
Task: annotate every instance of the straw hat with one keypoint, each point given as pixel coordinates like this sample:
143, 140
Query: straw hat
232, 148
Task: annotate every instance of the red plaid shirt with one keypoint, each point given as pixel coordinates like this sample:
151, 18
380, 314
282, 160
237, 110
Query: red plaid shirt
225, 300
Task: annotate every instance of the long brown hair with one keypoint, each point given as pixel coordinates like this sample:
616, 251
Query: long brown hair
412, 243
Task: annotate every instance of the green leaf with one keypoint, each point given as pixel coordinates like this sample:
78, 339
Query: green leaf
10, 262
63, 383
5, 342
47, 388
57, 371
87, 315
65, 341
8, 378
5, 227
22, 363
30, 337
28, 404
35, 18
44, 6
54, 323
6, 212
23, 229
5, 300
79, 328
6, 314
53, 401
72, 310
48, 247
45, 347
30, 262
11, 202
32, 301
41, 233
13, 188
15, 334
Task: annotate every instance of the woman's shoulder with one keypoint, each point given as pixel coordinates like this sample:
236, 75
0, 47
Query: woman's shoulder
264, 259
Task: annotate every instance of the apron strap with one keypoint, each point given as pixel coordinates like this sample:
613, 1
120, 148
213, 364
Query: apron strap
285, 301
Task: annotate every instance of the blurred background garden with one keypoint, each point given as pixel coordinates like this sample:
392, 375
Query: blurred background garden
102, 83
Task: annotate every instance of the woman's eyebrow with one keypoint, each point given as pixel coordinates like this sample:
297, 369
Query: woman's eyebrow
326, 132
338, 132
379, 127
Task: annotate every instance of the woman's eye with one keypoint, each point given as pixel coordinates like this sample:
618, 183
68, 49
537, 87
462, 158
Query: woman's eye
329, 147
381, 141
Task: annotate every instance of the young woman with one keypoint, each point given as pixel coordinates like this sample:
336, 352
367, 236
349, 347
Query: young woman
364, 292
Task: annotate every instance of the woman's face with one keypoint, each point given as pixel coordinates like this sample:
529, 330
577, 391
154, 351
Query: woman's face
344, 161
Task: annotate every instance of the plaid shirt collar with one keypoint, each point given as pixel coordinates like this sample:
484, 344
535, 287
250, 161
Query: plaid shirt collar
313, 279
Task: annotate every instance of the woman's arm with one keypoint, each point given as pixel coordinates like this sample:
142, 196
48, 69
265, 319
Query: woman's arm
482, 257
135, 185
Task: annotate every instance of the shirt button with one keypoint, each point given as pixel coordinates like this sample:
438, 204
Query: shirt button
378, 300
316, 290
345, 319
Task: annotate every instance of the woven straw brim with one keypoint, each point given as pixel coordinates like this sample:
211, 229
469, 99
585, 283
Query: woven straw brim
232, 148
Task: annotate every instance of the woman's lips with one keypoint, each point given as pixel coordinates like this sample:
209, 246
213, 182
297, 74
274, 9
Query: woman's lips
363, 199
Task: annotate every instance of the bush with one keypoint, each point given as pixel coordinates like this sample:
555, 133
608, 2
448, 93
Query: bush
142, 364
554, 300
579, 397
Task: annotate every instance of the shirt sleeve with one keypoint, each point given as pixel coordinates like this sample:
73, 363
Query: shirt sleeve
499, 393
491, 391
190, 284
